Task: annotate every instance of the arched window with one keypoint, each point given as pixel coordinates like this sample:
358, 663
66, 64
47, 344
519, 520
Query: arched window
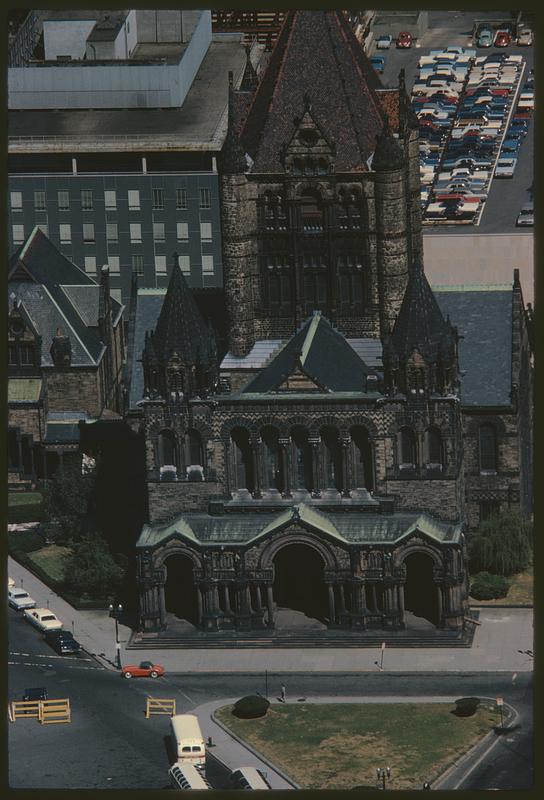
332, 459
302, 460
407, 448
433, 447
272, 467
243, 477
193, 444
488, 449
168, 454
363, 472
311, 211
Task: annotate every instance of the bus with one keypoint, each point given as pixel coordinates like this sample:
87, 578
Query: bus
187, 776
188, 740
248, 778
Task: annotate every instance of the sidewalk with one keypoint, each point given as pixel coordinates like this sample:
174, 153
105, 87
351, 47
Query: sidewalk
502, 633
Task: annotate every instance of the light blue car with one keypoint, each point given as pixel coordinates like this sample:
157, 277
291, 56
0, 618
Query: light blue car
485, 37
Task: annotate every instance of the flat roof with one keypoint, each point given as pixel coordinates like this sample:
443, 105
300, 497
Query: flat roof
200, 124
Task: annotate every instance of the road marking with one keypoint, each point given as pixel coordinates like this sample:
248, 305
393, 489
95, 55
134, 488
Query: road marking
40, 664
40, 655
476, 764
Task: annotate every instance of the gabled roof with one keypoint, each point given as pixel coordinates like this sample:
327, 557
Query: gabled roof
316, 53
420, 323
180, 327
45, 263
320, 354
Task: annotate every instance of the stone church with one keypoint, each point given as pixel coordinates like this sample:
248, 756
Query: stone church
360, 422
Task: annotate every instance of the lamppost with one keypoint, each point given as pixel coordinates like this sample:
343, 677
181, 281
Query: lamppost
383, 774
116, 613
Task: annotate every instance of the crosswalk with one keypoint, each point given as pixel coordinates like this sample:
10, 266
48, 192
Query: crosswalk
40, 660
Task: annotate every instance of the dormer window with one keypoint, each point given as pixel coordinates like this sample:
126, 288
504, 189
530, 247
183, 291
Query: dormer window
16, 326
308, 137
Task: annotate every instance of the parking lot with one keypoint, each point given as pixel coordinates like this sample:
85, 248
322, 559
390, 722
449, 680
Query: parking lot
506, 196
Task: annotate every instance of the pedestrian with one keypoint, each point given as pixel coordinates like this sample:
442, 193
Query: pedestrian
282, 694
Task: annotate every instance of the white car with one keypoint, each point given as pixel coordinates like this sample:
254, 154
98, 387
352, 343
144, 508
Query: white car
384, 42
18, 598
505, 167
11, 582
526, 101
526, 216
525, 37
44, 619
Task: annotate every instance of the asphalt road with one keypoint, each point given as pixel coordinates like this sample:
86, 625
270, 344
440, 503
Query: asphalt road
507, 196
110, 744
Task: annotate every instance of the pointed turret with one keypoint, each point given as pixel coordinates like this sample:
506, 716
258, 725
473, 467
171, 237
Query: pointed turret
388, 154
249, 78
233, 160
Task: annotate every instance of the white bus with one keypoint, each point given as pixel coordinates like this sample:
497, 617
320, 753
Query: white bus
248, 778
188, 740
187, 776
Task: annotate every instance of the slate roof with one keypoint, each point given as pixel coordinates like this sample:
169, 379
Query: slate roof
361, 528
321, 353
148, 307
484, 319
316, 53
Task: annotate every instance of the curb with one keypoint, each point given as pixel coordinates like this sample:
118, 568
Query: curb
492, 735
252, 750
105, 662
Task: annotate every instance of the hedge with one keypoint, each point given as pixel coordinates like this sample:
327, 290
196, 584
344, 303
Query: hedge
251, 707
31, 512
24, 542
486, 586
466, 706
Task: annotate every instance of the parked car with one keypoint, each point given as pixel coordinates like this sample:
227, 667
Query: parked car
485, 37
510, 146
43, 618
525, 37
18, 598
384, 42
11, 582
404, 40
526, 216
146, 669
378, 62
526, 101
502, 38
62, 641
505, 167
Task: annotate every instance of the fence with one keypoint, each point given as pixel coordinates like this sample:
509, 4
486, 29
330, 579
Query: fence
48, 712
157, 705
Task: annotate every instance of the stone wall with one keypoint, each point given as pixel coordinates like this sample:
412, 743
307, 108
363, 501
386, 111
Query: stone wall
28, 420
436, 497
167, 500
74, 390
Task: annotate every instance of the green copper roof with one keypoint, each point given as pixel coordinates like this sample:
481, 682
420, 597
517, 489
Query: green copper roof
346, 527
24, 390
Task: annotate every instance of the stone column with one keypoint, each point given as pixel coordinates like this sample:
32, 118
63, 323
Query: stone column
284, 456
226, 596
315, 444
363, 597
346, 482
439, 598
270, 604
258, 601
199, 604
343, 609
374, 598
332, 612
162, 604
256, 463
400, 601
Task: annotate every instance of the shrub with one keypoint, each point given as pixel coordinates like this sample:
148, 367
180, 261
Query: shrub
29, 512
486, 586
251, 707
67, 502
91, 569
24, 541
466, 706
502, 545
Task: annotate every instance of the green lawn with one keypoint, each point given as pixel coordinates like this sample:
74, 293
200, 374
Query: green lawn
16, 499
340, 746
519, 593
51, 560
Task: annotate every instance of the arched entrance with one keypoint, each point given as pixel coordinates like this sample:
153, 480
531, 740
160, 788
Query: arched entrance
180, 591
298, 582
420, 591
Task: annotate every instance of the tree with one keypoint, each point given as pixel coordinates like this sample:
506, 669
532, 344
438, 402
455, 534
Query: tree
68, 502
486, 586
91, 569
502, 546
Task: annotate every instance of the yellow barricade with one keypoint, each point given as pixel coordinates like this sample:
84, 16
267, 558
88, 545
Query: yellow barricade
156, 705
24, 708
52, 711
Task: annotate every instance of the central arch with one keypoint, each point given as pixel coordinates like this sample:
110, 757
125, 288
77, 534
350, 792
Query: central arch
299, 580
420, 591
180, 590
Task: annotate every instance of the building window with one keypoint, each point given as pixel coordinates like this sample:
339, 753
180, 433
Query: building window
63, 201
433, 442
488, 450
16, 201
207, 265
489, 509
332, 458
138, 265
363, 471
88, 232
408, 452
158, 231
206, 231
302, 460
39, 201
205, 198
242, 462
158, 199
113, 264
90, 264
135, 232
181, 199
65, 232
133, 200
160, 265
110, 199
112, 232
86, 199
12, 355
182, 231
311, 211
185, 264
26, 354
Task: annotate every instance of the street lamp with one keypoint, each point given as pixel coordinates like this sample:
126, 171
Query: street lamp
383, 774
116, 613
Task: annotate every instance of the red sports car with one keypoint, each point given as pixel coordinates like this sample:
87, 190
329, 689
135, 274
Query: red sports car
502, 39
404, 39
146, 669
